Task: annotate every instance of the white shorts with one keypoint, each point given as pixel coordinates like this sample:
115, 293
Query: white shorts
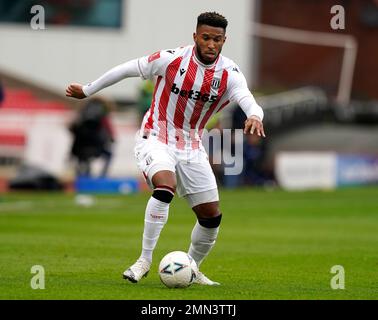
192, 168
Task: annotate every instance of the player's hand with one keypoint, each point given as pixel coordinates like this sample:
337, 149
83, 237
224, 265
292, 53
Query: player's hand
254, 125
75, 90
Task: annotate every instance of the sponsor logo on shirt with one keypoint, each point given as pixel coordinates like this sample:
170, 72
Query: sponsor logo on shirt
194, 95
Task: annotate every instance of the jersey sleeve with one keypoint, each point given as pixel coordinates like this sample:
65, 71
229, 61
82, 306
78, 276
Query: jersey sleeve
114, 75
155, 64
145, 67
240, 94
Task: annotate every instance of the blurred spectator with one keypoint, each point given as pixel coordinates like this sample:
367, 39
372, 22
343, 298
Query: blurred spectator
93, 136
369, 14
215, 151
254, 150
145, 96
1, 92
254, 153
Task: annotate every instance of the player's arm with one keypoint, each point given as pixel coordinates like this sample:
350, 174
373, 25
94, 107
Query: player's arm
244, 98
254, 113
145, 67
114, 75
75, 90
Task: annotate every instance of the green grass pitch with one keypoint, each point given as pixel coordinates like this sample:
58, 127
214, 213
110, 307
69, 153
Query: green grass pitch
272, 245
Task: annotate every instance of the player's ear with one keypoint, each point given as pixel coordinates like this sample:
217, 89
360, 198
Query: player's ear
194, 36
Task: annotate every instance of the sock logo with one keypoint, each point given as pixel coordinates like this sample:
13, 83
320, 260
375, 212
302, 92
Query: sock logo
157, 216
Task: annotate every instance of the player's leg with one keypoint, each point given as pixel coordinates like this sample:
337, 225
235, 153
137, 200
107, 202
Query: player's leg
158, 167
157, 210
156, 216
206, 229
196, 181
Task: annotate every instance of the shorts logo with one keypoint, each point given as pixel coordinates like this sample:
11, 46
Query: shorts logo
215, 83
149, 160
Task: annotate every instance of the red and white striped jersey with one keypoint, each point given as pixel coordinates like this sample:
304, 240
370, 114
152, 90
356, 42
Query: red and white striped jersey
187, 93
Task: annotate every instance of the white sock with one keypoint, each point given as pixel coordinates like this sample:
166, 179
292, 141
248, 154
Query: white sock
156, 216
203, 240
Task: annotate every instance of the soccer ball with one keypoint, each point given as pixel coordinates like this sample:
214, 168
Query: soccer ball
177, 270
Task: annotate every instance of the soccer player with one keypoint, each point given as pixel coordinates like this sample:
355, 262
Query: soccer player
193, 83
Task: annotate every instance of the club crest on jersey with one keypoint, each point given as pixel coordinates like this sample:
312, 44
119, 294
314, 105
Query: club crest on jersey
154, 56
215, 83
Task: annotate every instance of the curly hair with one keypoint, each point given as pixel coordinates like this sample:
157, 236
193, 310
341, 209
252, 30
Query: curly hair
212, 19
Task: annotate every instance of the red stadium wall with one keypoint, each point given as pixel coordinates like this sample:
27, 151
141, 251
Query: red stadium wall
292, 65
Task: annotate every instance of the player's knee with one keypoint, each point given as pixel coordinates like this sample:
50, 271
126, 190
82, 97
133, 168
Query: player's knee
210, 222
163, 193
207, 210
164, 178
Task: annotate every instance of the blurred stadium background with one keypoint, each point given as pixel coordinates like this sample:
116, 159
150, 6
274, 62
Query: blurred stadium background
317, 86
